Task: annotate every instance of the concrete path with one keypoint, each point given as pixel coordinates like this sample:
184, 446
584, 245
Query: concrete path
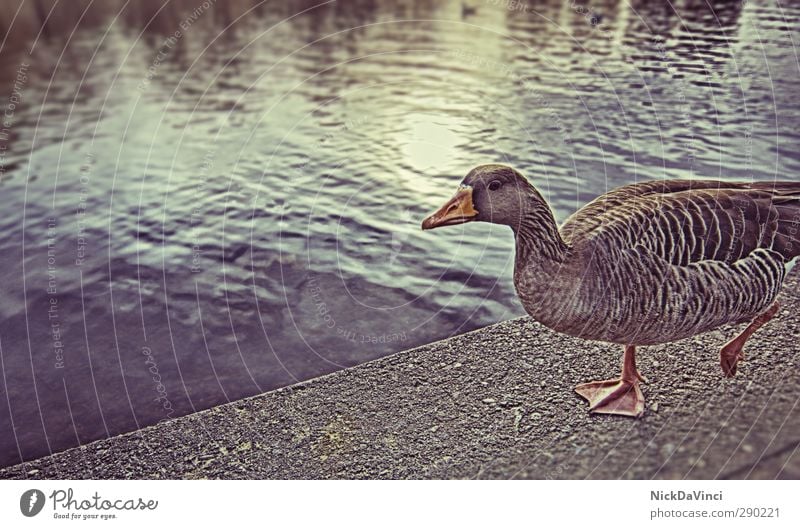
494, 403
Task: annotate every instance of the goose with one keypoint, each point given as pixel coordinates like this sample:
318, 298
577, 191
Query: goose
644, 264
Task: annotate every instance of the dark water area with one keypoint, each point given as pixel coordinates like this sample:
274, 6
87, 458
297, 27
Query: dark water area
205, 201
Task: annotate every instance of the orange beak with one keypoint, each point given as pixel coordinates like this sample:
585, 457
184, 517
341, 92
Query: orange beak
457, 210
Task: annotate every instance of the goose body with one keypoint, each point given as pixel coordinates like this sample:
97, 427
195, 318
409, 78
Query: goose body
644, 264
660, 261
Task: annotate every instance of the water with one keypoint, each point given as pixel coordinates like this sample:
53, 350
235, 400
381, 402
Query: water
190, 218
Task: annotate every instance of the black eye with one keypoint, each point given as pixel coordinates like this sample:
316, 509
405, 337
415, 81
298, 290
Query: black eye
494, 185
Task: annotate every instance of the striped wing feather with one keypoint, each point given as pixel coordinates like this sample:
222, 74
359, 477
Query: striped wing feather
687, 221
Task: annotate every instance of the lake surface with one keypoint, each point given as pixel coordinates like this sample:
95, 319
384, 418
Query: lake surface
202, 202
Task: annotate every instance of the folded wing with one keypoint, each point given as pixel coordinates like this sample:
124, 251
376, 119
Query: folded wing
688, 221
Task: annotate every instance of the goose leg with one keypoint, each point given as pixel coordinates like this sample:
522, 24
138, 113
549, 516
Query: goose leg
619, 396
732, 352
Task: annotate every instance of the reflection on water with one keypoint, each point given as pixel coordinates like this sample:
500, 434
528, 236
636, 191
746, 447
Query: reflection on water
203, 202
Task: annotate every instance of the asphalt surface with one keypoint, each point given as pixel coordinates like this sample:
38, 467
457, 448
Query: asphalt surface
493, 403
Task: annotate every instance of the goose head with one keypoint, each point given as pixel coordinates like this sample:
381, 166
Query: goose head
489, 193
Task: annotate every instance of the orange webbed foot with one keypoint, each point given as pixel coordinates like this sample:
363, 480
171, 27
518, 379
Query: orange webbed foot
730, 356
732, 353
613, 397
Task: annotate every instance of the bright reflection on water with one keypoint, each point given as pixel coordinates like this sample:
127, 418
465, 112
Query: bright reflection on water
192, 219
